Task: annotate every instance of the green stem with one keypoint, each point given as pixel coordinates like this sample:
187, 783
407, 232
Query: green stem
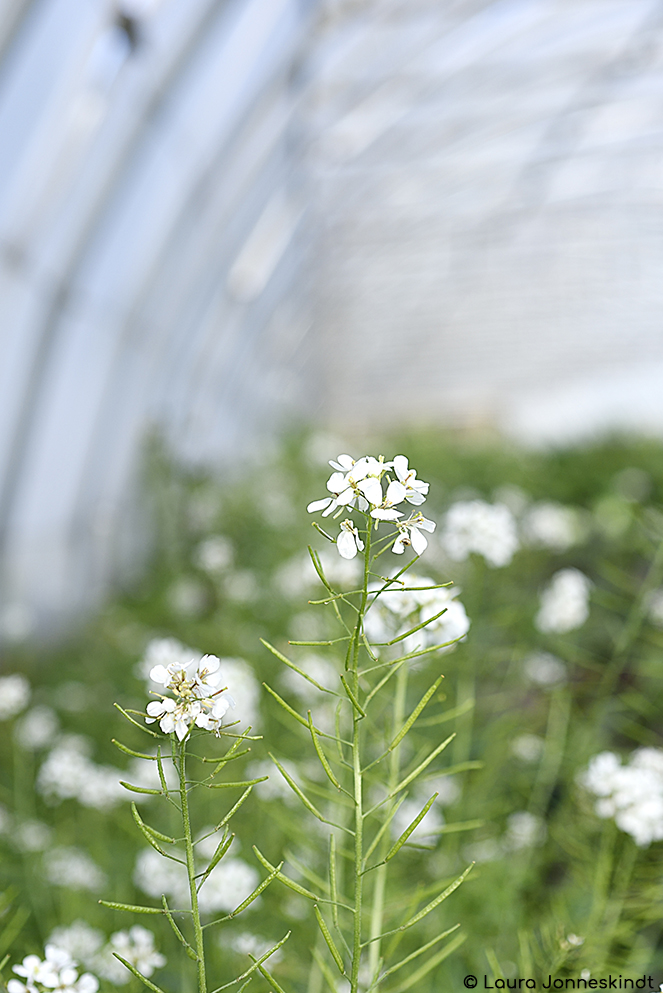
377, 914
191, 871
356, 773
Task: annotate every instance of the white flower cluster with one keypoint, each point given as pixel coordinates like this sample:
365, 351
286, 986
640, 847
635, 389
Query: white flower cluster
199, 697
228, 884
551, 525
564, 604
69, 773
73, 869
484, 528
14, 695
358, 483
545, 669
205, 687
57, 971
89, 946
632, 793
398, 610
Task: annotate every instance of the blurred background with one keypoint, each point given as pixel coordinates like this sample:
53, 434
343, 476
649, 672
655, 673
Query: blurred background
222, 217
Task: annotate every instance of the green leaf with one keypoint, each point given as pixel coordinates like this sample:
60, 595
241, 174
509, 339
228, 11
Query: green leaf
295, 668
132, 907
220, 851
146, 982
326, 934
140, 789
396, 847
132, 721
419, 951
321, 755
233, 810
295, 788
353, 700
430, 964
290, 883
130, 751
415, 713
228, 786
147, 833
187, 947
438, 900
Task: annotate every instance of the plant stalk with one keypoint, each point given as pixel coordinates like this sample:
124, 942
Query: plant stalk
191, 871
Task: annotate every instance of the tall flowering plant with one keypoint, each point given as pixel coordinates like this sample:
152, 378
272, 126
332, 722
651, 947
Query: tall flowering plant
363, 759
193, 704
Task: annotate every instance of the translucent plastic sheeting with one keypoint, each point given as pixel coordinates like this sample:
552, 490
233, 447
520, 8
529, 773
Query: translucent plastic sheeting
149, 234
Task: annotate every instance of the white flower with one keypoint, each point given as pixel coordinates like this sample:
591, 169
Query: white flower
37, 728
409, 533
137, 946
632, 794
246, 943
564, 603
528, 747
524, 830
484, 528
14, 695
415, 489
396, 611
199, 698
550, 525
32, 836
199, 677
56, 972
172, 716
68, 773
385, 512
227, 885
353, 483
80, 940
348, 541
214, 555
73, 869
545, 669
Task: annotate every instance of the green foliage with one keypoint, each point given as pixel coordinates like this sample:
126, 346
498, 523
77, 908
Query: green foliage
521, 903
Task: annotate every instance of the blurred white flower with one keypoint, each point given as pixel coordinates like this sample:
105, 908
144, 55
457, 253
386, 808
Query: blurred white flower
486, 529
524, 830
545, 669
348, 541
528, 747
655, 607
165, 652
187, 596
32, 836
37, 728
564, 602
156, 876
296, 576
243, 691
410, 533
80, 940
68, 773
550, 525
74, 869
137, 946
632, 794
227, 885
245, 943
214, 555
241, 586
14, 695
396, 611
318, 668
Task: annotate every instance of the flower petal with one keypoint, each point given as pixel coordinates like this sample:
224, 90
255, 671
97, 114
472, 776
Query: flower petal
346, 544
401, 467
318, 505
372, 490
419, 541
395, 493
385, 514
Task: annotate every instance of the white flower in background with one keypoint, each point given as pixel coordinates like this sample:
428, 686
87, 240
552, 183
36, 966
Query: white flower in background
80, 940
165, 652
68, 773
632, 794
550, 525
227, 885
564, 602
156, 876
527, 747
245, 943
37, 728
214, 555
318, 668
14, 695
74, 869
275, 787
524, 830
484, 528
348, 541
545, 669
137, 946
396, 611
32, 836
655, 607
243, 691
410, 533
415, 489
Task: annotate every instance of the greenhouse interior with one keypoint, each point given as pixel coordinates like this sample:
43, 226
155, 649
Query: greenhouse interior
331, 383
